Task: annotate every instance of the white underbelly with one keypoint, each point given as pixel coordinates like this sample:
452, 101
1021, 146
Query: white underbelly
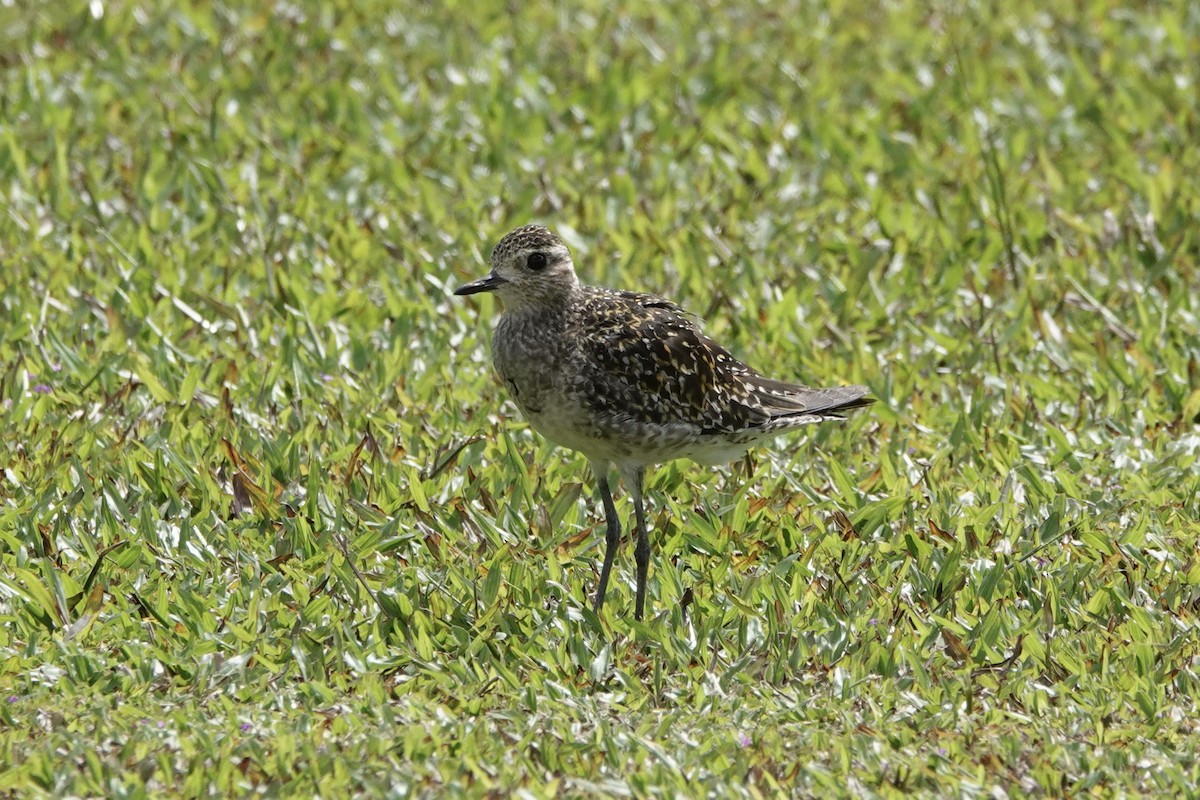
641, 445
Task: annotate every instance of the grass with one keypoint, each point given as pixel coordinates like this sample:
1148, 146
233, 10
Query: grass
267, 525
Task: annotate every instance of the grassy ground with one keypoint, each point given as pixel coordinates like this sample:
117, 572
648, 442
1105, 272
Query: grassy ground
267, 524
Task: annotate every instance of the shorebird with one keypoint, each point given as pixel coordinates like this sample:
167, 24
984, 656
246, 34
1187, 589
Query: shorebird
628, 379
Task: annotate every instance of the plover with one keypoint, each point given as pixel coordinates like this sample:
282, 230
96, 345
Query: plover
628, 379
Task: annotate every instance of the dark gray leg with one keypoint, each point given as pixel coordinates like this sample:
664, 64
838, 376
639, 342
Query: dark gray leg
612, 531
641, 552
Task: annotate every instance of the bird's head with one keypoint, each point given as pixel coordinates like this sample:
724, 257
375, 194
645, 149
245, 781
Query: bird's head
530, 267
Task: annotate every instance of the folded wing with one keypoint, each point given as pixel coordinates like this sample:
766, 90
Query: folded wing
647, 360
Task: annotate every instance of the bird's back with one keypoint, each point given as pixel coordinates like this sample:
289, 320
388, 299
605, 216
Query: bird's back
645, 372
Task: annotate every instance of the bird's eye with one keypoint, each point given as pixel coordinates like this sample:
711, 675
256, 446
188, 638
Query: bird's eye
536, 261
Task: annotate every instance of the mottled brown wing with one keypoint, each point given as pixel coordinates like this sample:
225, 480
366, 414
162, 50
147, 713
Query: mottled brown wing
649, 362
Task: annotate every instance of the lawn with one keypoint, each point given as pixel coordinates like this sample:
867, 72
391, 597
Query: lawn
268, 525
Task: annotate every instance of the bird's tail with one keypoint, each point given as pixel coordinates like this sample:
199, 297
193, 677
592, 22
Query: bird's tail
791, 404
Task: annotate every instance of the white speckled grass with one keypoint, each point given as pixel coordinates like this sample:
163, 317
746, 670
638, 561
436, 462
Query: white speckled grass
268, 524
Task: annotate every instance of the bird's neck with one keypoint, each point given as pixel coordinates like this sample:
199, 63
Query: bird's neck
547, 301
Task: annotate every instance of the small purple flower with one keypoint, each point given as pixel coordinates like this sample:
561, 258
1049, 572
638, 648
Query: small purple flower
12, 698
325, 376
743, 740
872, 622
42, 388
56, 367
245, 726
161, 724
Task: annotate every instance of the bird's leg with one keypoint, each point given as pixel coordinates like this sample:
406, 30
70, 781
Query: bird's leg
612, 532
641, 552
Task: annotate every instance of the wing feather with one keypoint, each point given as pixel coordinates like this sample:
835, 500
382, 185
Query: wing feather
646, 360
